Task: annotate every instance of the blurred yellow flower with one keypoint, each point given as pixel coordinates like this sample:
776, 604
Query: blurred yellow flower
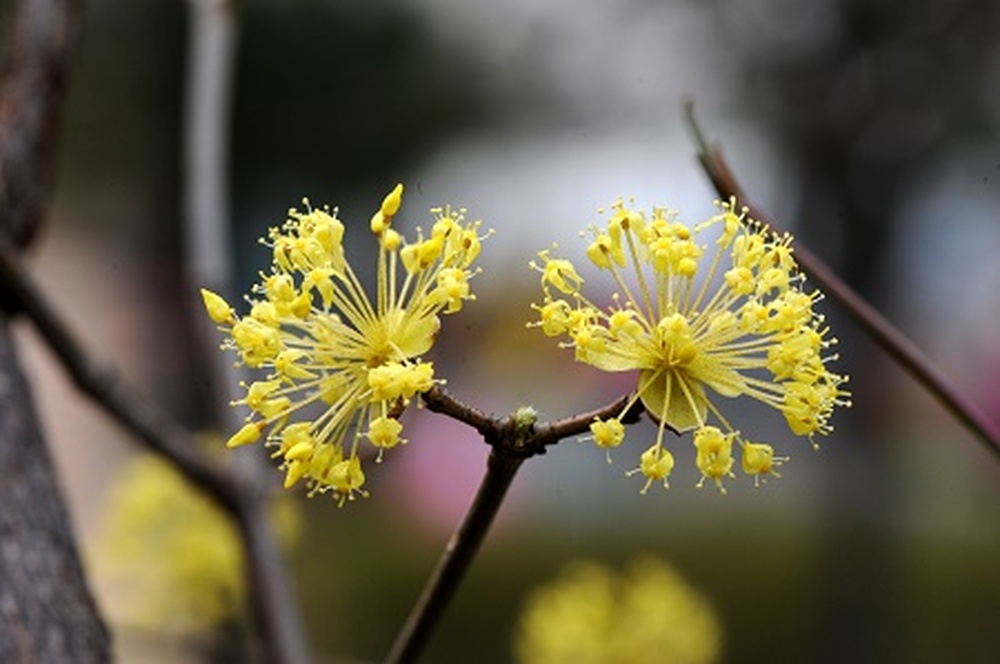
172, 560
592, 614
324, 343
736, 320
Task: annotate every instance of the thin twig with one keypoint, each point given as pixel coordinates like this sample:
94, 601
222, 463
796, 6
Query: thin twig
438, 400
552, 432
884, 333
512, 440
159, 432
542, 435
457, 558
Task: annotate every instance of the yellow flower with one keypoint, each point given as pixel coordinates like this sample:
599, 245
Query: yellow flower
592, 614
170, 558
356, 362
733, 321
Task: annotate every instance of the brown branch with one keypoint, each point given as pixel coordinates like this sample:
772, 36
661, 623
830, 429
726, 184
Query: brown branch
512, 440
438, 400
273, 607
456, 558
552, 432
541, 435
884, 333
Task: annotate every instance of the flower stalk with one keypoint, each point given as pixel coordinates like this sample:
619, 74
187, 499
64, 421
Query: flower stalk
512, 440
501, 467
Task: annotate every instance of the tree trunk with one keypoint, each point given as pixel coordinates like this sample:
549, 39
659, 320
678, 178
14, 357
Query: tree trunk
46, 612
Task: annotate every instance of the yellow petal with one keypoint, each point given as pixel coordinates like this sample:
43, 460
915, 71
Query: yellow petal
725, 381
417, 335
608, 360
686, 408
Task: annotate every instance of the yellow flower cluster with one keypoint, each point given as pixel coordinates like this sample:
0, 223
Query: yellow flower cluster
736, 320
166, 573
170, 558
325, 344
592, 614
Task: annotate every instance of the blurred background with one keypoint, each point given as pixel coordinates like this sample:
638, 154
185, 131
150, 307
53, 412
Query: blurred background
869, 128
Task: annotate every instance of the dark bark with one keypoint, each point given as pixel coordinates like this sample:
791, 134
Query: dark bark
32, 90
46, 610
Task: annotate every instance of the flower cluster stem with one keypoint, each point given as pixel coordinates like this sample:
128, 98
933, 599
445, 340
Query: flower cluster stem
501, 467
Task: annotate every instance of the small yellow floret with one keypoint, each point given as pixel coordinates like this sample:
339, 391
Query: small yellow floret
561, 274
383, 432
759, 460
300, 451
656, 464
295, 470
249, 433
715, 455
392, 201
608, 433
346, 479
218, 309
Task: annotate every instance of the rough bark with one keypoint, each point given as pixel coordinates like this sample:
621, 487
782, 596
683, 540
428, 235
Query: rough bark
46, 610
33, 79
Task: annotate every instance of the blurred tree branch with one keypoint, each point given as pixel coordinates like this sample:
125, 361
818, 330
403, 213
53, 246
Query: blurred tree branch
884, 333
237, 495
46, 612
210, 68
